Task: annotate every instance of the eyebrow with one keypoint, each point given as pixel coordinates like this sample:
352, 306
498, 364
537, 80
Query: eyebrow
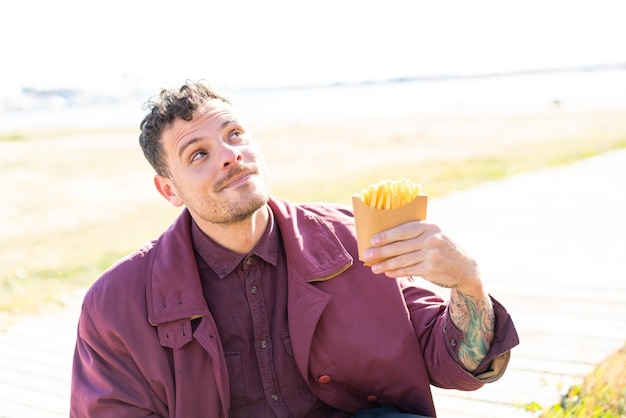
192, 141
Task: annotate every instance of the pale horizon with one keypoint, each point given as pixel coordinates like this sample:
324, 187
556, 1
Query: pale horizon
103, 46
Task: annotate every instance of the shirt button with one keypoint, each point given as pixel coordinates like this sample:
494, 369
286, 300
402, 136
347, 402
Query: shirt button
274, 397
324, 378
254, 290
452, 342
248, 260
372, 398
263, 344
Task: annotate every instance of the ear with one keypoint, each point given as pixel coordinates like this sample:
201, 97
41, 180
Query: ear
167, 190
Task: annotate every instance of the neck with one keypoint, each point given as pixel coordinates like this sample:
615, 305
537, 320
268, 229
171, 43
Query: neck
240, 237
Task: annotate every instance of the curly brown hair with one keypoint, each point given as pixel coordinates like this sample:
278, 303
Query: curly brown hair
184, 103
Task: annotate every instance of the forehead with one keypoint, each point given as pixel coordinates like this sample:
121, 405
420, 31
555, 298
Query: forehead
209, 118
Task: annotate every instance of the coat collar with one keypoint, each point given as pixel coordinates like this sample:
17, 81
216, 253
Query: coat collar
174, 290
313, 250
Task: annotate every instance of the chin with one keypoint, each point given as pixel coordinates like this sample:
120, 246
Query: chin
242, 210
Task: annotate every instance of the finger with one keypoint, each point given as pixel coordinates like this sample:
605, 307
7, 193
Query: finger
392, 250
401, 232
402, 265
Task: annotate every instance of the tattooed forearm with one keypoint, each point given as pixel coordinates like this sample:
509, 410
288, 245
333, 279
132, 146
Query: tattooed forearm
475, 317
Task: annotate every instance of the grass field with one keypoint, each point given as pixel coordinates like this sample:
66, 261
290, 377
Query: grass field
75, 201
601, 394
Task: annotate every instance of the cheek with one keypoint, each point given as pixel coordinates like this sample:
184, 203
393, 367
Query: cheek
202, 179
255, 155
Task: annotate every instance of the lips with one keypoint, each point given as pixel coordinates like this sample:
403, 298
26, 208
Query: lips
235, 177
238, 179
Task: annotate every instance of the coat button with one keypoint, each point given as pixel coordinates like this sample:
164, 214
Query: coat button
372, 398
324, 378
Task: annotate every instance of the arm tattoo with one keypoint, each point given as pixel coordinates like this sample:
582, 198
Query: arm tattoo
476, 319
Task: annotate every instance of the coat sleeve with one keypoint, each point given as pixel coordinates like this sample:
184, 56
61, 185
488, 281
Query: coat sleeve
440, 340
105, 380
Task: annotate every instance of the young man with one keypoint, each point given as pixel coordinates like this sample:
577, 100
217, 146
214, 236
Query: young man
250, 306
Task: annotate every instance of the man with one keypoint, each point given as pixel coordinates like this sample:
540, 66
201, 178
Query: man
250, 306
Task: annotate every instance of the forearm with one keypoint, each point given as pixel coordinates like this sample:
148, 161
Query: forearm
473, 314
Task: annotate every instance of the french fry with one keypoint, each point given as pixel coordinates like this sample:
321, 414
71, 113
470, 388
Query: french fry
384, 205
390, 194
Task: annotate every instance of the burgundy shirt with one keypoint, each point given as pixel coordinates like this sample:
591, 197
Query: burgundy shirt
247, 295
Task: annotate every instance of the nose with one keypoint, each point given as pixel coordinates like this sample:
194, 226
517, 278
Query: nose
230, 155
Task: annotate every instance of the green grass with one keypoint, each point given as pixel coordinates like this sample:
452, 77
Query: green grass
15, 136
56, 133
72, 259
440, 177
601, 394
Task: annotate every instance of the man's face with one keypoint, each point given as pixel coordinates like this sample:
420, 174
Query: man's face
216, 166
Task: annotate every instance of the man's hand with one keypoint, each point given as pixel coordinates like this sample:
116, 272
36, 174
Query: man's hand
420, 249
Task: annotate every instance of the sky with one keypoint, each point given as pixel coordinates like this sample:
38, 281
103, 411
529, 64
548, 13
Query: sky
116, 44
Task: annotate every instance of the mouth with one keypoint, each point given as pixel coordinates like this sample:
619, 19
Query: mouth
236, 178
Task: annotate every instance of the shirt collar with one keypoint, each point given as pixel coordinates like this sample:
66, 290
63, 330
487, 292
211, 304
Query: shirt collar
224, 261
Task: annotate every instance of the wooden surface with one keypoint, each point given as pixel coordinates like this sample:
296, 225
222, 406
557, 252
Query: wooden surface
552, 249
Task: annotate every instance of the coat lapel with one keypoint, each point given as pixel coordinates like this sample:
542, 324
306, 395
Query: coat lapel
313, 254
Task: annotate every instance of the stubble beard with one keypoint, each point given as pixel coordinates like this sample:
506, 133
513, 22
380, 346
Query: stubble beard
229, 212
232, 213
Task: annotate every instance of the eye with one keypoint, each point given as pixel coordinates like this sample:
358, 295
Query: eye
235, 136
196, 155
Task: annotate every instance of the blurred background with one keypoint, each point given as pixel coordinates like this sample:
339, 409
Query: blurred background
89, 63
